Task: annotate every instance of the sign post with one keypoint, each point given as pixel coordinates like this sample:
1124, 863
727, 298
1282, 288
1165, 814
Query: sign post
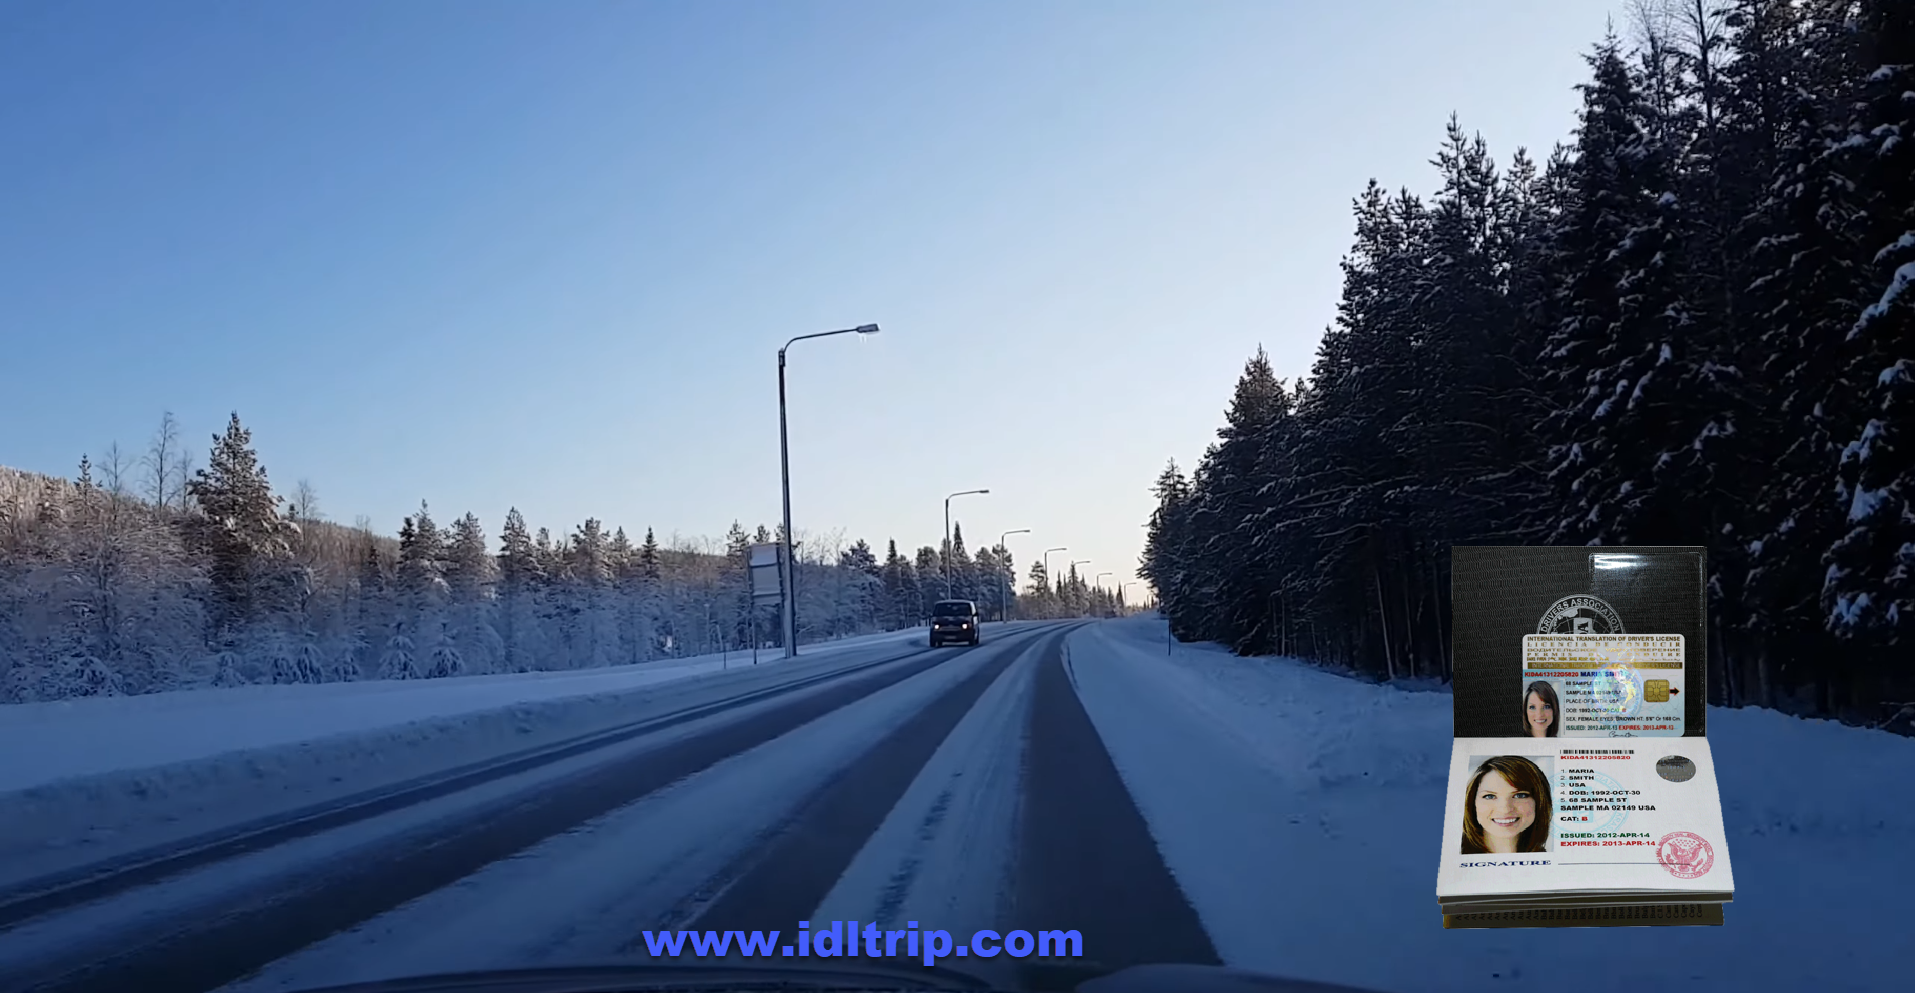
767, 584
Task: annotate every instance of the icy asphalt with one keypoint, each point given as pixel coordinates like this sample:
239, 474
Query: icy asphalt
965, 787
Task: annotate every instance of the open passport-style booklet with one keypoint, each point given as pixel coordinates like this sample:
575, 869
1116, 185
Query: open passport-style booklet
1582, 791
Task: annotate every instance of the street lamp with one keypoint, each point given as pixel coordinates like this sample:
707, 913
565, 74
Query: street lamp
947, 536
1048, 578
1121, 589
1099, 581
785, 571
1003, 603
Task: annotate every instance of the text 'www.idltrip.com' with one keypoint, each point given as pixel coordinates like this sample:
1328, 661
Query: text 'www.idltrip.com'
843, 940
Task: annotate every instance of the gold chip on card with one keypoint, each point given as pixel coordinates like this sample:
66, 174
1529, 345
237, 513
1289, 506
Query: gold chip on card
1655, 691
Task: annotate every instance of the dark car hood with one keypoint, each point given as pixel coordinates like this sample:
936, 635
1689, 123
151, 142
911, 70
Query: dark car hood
814, 979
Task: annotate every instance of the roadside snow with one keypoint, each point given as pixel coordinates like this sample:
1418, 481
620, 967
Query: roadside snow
1308, 845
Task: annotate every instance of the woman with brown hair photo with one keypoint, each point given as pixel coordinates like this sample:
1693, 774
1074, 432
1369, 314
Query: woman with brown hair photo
1506, 809
1540, 710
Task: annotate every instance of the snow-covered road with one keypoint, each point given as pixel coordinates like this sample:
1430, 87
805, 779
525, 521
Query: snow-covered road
106, 779
1172, 804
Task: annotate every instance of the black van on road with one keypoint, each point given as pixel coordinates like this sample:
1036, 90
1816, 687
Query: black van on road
953, 620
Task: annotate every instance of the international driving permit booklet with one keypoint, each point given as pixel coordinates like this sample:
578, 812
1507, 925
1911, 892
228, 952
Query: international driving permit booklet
1582, 791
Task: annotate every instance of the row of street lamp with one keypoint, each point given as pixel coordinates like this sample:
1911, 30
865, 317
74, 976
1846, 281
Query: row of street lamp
1002, 607
789, 617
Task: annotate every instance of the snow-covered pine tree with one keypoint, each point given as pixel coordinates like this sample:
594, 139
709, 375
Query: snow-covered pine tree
592, 628
1042, 602
1617, 179
1004, 576
400, 659
900, 591
470, 587
1231, 574
123, 586
421, 575
648, 560
1070, 593
446, 659
309, 663
1813, 260
291, 662
371, 610
1476, 378
519, 570
864, 577
963, 572
1350, 528
468, 567
345, 665
228, 670
988, 587
1161, 564
742, 625
621, 558
238, 530
928, 568
657, 615
1869, 594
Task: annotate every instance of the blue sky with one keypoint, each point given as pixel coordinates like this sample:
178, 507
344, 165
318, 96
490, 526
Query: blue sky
543, 254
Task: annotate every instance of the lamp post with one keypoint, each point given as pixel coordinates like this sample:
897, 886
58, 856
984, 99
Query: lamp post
1003, 603
947, 536
785, 570
1121, 589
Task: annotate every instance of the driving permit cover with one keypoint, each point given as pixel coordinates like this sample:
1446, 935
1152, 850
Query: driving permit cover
1582, 791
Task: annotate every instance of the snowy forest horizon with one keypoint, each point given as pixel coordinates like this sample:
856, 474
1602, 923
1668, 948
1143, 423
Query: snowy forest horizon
1692, 324
143, 574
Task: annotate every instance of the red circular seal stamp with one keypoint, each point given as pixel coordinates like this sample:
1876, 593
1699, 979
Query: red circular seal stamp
1685, 855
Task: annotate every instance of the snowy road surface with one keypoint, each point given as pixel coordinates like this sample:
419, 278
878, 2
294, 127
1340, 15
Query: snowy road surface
1171, 805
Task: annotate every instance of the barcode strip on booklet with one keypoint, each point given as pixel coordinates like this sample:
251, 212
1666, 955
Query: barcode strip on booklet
1706, 914
1599, 751
1650, 912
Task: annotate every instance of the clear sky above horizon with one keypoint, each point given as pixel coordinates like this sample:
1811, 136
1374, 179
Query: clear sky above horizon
489, 254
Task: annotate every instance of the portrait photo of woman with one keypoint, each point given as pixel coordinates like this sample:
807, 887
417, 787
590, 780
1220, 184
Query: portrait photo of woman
1506, 809
1540, 711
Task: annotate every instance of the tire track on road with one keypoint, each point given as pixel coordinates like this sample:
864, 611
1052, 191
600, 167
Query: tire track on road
775, 887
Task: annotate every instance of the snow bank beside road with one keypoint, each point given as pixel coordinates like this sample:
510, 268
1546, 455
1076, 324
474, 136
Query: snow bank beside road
96, 778
1300, 811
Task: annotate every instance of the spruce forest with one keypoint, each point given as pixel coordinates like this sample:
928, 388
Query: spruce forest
143, 574
1691, 324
